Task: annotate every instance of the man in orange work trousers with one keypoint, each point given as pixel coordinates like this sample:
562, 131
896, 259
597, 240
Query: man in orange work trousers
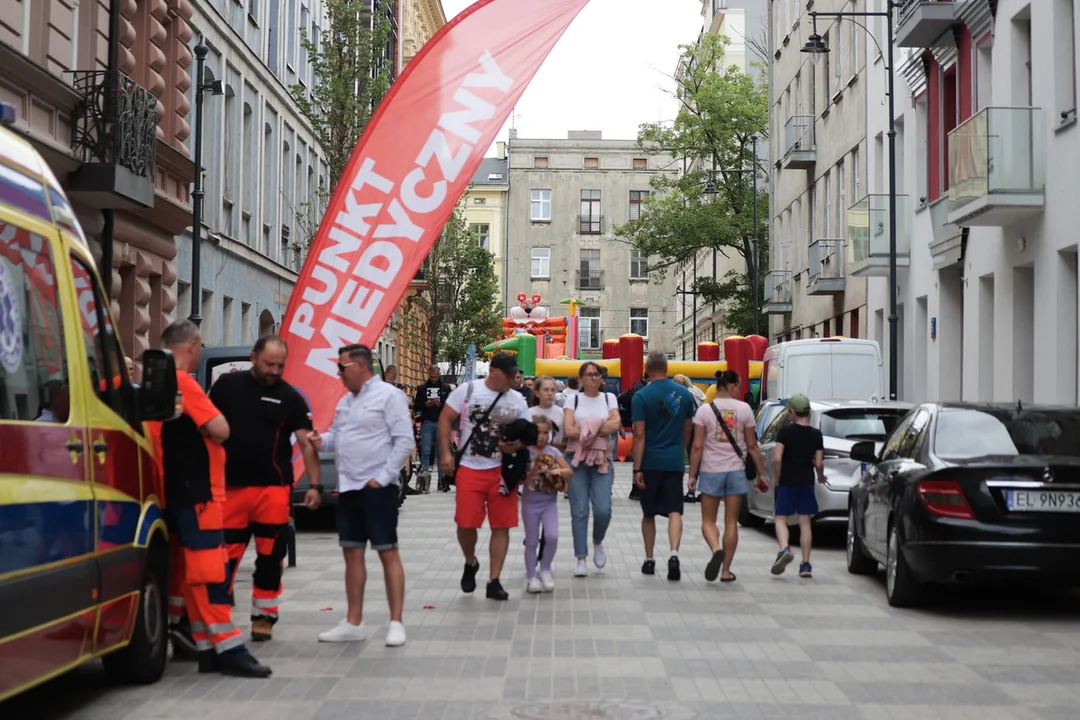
263, 412
193, 460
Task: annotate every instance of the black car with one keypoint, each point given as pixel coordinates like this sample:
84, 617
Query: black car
965, 492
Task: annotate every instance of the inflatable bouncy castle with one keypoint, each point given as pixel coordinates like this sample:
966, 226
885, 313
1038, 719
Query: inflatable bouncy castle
549, 335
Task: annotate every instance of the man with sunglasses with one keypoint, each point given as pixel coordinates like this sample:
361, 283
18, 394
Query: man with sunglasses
371, 437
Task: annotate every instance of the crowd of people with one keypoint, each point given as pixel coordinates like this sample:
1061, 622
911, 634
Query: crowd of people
502, 442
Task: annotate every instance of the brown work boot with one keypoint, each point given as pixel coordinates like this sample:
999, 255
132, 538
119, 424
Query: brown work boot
261, 630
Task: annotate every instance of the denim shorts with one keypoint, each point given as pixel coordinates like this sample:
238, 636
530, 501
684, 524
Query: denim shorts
724, 483
368, 515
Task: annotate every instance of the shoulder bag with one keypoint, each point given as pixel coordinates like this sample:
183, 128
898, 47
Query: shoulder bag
472, 431
748, 462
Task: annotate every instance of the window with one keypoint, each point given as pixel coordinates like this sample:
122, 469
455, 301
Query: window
481, 232
479, 201
33, 365
541, 263
540, 163
108, 375
291, 34
827, 181
1064, 60
639, 265
855, 174
590, 213
541, 206
590, 276
841, 183
589, 328
592, 163
838, 70
641, 163
637, 203
811, 212
304, 19
639, 321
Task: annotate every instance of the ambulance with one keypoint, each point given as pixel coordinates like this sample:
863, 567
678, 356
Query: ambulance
83, 545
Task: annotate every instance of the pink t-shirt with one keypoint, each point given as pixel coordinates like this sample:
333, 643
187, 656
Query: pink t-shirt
718, 455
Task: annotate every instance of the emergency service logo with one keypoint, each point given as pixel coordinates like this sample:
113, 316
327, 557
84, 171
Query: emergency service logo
11, 340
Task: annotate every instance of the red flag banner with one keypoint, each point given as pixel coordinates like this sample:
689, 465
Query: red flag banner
409, 169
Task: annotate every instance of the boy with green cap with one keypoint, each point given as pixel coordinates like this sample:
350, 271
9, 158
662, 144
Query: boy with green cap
800, 450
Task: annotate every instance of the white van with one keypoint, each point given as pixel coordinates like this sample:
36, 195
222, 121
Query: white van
824, 369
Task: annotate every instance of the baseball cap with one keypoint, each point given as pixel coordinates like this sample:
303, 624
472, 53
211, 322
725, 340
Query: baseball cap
799, 404
504, 361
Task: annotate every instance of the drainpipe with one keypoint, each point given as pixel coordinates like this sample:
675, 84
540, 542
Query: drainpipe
109, 215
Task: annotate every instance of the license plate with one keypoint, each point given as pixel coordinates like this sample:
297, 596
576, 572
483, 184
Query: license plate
1042, 501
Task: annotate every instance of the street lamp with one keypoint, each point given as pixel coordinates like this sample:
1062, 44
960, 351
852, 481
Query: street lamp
815, 47
217, 87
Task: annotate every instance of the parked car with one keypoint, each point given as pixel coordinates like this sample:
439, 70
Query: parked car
843, 423
832, 367
965, 493
766, 413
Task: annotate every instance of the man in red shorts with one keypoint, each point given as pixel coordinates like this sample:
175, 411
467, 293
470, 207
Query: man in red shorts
483, 407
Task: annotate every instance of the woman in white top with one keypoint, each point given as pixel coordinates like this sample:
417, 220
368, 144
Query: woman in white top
589, 485
543, 404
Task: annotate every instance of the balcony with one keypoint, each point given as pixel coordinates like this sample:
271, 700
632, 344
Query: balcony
591, 224
920, 23
868, 236
115, 137
777, 292
826, 275
997, 167
947, 239
800, 153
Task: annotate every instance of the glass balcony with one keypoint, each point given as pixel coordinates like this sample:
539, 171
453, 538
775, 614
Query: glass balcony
800, 151
826, 275
868, 236
997, 167
922, 23
777, 292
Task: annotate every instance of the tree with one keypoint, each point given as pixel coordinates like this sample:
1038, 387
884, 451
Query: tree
721, 111
465, 291
351, 75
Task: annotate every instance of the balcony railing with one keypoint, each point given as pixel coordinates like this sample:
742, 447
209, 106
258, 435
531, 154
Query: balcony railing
997, 166
777, 292
868, 236
826, 274
922, 23
800, 150
115, 136
591, 224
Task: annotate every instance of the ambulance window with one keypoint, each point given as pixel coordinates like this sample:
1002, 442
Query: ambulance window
33, 365
108, 374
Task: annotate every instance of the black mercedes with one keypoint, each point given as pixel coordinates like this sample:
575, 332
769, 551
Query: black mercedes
965, 492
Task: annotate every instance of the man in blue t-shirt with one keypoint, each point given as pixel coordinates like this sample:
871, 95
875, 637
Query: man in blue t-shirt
663, 414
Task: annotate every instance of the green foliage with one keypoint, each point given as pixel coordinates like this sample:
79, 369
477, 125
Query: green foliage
351, 77
465, 292
712, 138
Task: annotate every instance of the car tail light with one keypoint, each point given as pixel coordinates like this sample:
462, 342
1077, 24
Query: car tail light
945, 498
831, 339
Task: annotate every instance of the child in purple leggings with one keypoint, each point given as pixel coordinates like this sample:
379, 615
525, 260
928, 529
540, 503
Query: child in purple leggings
548, 473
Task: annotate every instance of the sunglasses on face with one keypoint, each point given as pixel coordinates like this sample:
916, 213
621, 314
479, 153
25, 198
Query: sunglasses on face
341, 367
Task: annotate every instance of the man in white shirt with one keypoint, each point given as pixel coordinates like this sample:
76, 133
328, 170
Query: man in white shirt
371, 438
484, 407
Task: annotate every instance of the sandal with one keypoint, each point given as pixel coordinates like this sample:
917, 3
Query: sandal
729, 579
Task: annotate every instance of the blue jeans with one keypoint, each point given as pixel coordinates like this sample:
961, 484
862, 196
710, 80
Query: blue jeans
429, 444
589, 487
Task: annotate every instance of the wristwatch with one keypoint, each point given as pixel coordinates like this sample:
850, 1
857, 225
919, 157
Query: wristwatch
637, 471
317, 488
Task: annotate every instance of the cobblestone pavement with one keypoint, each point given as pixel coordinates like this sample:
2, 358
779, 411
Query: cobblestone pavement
621, 645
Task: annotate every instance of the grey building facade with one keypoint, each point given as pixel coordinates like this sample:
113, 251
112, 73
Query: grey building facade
566, 198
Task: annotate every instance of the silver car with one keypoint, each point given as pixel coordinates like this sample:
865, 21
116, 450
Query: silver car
842, 423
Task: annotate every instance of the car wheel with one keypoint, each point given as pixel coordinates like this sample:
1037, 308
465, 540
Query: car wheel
901, 587
858, 562
746, 518
142, 661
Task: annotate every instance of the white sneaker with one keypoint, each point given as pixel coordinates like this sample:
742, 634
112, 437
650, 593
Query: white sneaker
546, 581
395, 636
599, 557
534, 586
581, 570
344, 631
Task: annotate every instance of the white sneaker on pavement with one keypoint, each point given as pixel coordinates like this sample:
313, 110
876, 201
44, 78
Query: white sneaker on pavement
395, 636
581, 570
547, 581
344, 631
534, 586
599, 557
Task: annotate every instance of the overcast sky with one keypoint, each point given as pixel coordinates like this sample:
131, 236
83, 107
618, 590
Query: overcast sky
610, 71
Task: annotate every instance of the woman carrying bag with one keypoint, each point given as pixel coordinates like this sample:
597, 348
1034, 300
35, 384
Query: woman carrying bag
725, 457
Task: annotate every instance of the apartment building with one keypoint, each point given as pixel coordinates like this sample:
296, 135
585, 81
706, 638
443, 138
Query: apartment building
485, 206
566, 197
744, 23
823, 216
420, 20
69, 68
986, 97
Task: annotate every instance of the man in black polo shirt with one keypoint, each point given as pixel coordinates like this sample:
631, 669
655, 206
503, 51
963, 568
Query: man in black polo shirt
428, 404
264, 413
